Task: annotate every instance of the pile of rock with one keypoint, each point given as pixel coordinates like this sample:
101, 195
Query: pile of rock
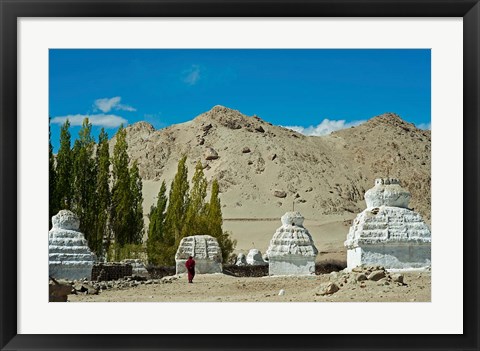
359, 276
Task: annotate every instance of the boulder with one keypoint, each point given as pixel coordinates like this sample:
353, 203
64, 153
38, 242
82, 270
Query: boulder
376, 275
398, 278
246, 150
328, 289
211, 154
280, 194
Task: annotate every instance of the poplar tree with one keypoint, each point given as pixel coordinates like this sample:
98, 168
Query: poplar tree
176, 211
136, 225
121, 197
64, 169
84, 179
53, 202
215, 221
156, 226
195, 217
103, 192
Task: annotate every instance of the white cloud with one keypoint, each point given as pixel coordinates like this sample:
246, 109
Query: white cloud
325, 127
102, 120
192, 75
425, 126
106, 104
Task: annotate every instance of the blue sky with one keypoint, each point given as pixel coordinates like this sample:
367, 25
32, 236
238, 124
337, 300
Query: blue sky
312, 91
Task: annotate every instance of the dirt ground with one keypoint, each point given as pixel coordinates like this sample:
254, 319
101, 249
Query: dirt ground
224, 288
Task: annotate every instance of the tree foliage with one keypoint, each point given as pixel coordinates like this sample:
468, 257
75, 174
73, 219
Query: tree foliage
126, 210
64, 169
103, 195
53, 203
215, 221
176, 212
136, 223
84, 179
187, 214
195, 217
156, 226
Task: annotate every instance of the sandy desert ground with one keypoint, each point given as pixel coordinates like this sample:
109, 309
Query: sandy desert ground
224, 288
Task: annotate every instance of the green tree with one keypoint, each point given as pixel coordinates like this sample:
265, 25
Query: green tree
53, 201
126, 207
175, 215
136, 224
103, 193
195, 217
64, 169
84, 202
156, 226
215, 221
121, 197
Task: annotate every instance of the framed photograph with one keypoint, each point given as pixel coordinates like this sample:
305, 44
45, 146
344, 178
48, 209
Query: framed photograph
188, 77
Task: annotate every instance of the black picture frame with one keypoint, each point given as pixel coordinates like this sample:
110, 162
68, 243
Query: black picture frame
10, 10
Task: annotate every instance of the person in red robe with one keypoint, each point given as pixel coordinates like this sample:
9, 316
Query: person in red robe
190, 265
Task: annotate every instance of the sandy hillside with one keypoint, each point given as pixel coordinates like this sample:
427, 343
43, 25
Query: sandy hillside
325, 176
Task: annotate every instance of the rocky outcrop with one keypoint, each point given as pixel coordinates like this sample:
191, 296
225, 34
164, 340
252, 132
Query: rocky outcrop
69, 254
292, 250
205, 251
387, 233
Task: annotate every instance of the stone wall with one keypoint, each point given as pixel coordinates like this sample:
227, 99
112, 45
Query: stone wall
112, 271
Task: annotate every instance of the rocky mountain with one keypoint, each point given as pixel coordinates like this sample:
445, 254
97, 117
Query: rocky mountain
264, 169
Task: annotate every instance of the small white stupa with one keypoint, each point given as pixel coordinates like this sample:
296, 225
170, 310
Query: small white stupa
69, 254
387, 232
291, 250
254, 258
205, 251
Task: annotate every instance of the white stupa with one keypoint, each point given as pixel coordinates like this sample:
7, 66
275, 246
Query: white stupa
254, 258
205, 251
69, 255
291, 250
387, 232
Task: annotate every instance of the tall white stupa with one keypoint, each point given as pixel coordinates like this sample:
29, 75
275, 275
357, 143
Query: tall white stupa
387, 232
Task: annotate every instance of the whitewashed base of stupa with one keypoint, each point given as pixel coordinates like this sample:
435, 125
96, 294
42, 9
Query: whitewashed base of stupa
202, 266
291, 265
69, 255
391, 256
70, 270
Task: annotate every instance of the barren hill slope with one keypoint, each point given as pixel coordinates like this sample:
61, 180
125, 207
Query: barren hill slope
259, 163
